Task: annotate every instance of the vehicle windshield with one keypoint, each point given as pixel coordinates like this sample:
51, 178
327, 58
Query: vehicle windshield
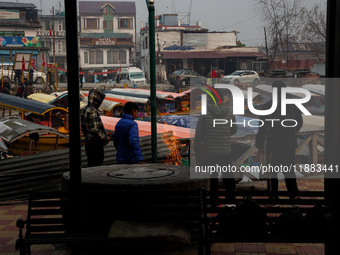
179, 72
237, 73
138, 75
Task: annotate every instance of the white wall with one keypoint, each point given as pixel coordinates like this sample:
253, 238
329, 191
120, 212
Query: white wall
221, 39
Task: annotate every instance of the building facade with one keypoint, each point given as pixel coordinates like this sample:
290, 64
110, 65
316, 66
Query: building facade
53, 32
18, 26
107, 35
193, 47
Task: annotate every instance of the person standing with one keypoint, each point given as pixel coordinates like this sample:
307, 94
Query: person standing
104, 71
213, 76
212, 146
6, 86
93, 129
28, 90
126, 138
281, 142
20, 90
81, 77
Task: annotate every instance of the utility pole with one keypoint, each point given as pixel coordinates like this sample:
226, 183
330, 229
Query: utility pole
265, 37
152, 45
53, 37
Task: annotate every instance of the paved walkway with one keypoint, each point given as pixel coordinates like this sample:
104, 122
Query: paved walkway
9, 213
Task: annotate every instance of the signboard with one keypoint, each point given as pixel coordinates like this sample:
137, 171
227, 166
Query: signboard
16, 41
9, 15
104, 41
18, 63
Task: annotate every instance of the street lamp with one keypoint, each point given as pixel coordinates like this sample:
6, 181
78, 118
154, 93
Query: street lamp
153, 102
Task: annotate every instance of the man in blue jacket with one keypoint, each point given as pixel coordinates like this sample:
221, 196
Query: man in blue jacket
126, 139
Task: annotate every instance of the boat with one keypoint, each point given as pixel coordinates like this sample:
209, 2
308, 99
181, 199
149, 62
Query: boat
25, 137
145, 128
38, 112
41, 97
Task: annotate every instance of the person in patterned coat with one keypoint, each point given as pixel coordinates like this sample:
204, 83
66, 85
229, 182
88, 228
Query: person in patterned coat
93, 129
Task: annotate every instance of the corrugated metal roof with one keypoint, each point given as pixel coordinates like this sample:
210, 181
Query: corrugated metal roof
319, 68
94, 7
43, 171
209, 54
10, 5
105, 35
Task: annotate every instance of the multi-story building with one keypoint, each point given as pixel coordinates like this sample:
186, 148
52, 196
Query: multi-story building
107, 35
193, 47
18, 25
54, 24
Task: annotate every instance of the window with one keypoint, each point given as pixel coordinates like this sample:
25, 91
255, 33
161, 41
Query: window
122, 57
60, 26
108, 9
91, 23
125, 23
48, 26
59, 46
108, 24
112, 57
86, 57
146, 43
96, 57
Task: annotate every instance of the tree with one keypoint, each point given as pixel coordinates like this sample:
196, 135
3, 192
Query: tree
313, 28
281, 17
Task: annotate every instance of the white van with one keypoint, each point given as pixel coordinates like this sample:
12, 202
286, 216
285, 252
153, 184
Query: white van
130, 76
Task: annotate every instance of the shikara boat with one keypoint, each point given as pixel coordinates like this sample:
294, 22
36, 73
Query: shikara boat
25, 137
38, 112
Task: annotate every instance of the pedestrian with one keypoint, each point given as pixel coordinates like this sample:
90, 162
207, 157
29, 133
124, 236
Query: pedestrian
213, 76
17, 75
281, 142
6, 86
212, 146
126, 138
28, 89
104, 71
93, 129
20, 90
81, 77
31, 74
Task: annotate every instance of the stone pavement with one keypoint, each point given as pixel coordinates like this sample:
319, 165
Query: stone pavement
11, 211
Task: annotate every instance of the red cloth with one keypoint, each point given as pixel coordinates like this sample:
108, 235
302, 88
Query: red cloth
23, 63
50, 31
33, 63
43, 60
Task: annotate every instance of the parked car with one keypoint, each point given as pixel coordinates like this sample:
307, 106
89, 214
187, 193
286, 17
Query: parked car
184, 76
7, 73
242, 76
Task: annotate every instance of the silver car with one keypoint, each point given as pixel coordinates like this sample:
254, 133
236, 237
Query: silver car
242, 76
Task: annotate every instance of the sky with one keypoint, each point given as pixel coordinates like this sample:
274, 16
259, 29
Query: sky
216, 15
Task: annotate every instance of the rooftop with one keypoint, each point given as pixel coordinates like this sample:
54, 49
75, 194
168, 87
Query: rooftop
94, 7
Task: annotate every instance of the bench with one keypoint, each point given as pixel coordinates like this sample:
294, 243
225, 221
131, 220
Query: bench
48, 219
284, 220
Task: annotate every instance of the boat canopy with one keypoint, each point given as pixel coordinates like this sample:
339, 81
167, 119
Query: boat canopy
3, 147
25, 105
141, 92
13, 129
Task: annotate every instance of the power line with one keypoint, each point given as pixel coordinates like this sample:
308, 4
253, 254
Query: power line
223, 28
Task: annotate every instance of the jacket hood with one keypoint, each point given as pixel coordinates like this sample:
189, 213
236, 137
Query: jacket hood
95, 98
218, 110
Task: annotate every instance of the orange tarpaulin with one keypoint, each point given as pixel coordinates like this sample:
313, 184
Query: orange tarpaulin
145, 127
